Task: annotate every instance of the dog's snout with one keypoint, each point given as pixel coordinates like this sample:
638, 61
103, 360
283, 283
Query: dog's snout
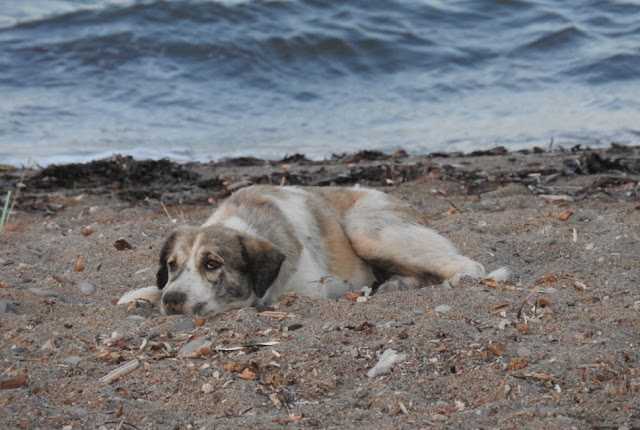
174, 302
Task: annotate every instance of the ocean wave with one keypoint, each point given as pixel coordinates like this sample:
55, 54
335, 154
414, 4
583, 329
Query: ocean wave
286, 68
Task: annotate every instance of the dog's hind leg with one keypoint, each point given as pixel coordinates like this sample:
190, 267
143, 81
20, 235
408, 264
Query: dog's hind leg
386, 233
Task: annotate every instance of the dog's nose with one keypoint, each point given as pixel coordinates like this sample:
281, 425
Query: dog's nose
174, 302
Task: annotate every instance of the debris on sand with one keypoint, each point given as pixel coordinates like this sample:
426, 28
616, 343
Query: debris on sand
17, 381
386, 362
122, 245
121, 371
196, 348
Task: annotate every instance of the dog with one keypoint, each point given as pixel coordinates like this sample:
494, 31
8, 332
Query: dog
266, 241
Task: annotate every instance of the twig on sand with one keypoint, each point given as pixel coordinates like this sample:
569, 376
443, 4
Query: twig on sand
166, 211
121, 371
4, 217
121, 423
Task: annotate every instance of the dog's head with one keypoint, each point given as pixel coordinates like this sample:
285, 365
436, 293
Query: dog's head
212, 269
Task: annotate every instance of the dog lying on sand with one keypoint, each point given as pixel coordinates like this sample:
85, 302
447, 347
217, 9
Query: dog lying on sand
266, 241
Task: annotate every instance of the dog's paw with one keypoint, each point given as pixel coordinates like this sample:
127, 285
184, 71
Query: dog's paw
150, 294
399, 283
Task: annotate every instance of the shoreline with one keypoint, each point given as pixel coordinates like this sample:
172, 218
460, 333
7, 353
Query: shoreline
172, 182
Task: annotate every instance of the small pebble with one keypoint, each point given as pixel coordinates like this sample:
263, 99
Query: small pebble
207, 388
195, 348
42, 292
87, 230
87, 288
49, 345
442, 309
18, 349
72, 361
7, 306
184, 324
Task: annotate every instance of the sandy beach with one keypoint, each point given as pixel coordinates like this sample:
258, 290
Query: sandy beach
555, 347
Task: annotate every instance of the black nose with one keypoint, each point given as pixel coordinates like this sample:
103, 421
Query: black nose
173, 302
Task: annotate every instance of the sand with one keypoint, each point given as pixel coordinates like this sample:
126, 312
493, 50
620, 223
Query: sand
555, 347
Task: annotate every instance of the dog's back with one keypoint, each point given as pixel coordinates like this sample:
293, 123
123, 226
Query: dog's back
307, 225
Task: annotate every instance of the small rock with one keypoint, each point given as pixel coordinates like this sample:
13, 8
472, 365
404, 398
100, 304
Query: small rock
523, 352
439, 417
328, 326
49, 345
196, 348
7, 306
87, 288
18, 350
87, 230
207, 388
442, 309
72, 360
386, 362
184, 324
42, 292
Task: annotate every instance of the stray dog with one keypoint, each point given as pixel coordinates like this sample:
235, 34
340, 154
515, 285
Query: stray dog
265, 241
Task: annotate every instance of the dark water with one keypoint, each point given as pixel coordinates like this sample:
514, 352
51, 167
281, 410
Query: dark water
198, 79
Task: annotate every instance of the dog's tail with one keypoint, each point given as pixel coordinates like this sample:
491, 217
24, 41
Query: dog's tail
500, 275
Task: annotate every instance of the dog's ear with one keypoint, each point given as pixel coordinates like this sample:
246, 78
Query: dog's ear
162, 276
263, 261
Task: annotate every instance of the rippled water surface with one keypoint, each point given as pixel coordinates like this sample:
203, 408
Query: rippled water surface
203, 79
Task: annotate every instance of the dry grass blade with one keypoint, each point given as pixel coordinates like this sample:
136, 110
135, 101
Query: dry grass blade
4, 218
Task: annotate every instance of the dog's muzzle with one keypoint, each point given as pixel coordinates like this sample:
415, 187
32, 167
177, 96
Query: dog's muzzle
173, 302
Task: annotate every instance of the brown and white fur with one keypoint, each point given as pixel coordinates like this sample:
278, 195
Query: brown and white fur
265, 241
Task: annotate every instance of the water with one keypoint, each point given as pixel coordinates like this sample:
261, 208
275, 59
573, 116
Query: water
198, 79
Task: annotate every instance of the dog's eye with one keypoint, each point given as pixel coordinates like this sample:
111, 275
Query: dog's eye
173, 266
211, 264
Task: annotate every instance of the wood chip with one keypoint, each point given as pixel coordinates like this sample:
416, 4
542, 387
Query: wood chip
556, 198
523, 328
517, 363
277, 315
351, 296
80, 264
121, 371
248, 374
17, 381
489, 282
497, 349
565, 215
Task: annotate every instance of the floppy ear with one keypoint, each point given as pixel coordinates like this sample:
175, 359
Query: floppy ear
162, 276
263, 262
